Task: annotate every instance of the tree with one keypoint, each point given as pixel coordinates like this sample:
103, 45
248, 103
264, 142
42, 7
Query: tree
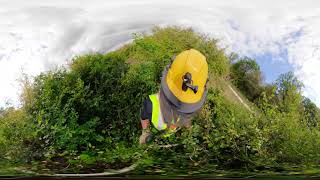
246, 75
289, 92
311, 113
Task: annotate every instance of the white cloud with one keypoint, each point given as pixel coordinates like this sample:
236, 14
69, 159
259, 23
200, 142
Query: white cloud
37, 35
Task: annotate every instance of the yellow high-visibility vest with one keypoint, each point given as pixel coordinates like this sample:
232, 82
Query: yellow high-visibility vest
157, 119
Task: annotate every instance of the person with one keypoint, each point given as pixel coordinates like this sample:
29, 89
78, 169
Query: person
182, 93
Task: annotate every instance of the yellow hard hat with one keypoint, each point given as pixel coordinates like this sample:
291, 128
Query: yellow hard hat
184, 81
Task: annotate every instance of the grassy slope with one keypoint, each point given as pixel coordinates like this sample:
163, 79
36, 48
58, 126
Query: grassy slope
223, 84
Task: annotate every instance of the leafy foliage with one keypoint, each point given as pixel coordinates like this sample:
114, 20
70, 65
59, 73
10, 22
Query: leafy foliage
14, 134
88, 113
289, 92
246, 75
311, 114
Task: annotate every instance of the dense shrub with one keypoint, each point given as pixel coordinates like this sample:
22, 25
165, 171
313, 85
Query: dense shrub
95, 103
227, 132
15, 135
287, 123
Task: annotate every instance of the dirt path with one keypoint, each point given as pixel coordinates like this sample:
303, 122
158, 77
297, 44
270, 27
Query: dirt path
240, 99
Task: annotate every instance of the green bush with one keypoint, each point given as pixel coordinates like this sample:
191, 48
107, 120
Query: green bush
286, 124
230, 133
95, 103
15, 135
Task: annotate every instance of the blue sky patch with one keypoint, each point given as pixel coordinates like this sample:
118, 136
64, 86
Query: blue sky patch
272, 67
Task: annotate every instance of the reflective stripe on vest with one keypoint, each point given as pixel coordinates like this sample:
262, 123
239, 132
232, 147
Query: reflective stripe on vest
156, 118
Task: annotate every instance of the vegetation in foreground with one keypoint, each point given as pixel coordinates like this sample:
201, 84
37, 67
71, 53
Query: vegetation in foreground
85, 118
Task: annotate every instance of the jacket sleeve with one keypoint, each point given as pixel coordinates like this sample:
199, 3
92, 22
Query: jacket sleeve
146, 109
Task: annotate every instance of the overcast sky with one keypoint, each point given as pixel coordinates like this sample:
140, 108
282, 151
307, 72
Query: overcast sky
38, 35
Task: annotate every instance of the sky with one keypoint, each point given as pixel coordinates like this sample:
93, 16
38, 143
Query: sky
37, 36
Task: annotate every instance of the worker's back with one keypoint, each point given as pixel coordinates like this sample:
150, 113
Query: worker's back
183, 92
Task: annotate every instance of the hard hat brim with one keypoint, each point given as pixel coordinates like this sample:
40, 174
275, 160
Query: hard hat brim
180, 106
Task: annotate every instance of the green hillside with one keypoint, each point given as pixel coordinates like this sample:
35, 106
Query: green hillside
85, 118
